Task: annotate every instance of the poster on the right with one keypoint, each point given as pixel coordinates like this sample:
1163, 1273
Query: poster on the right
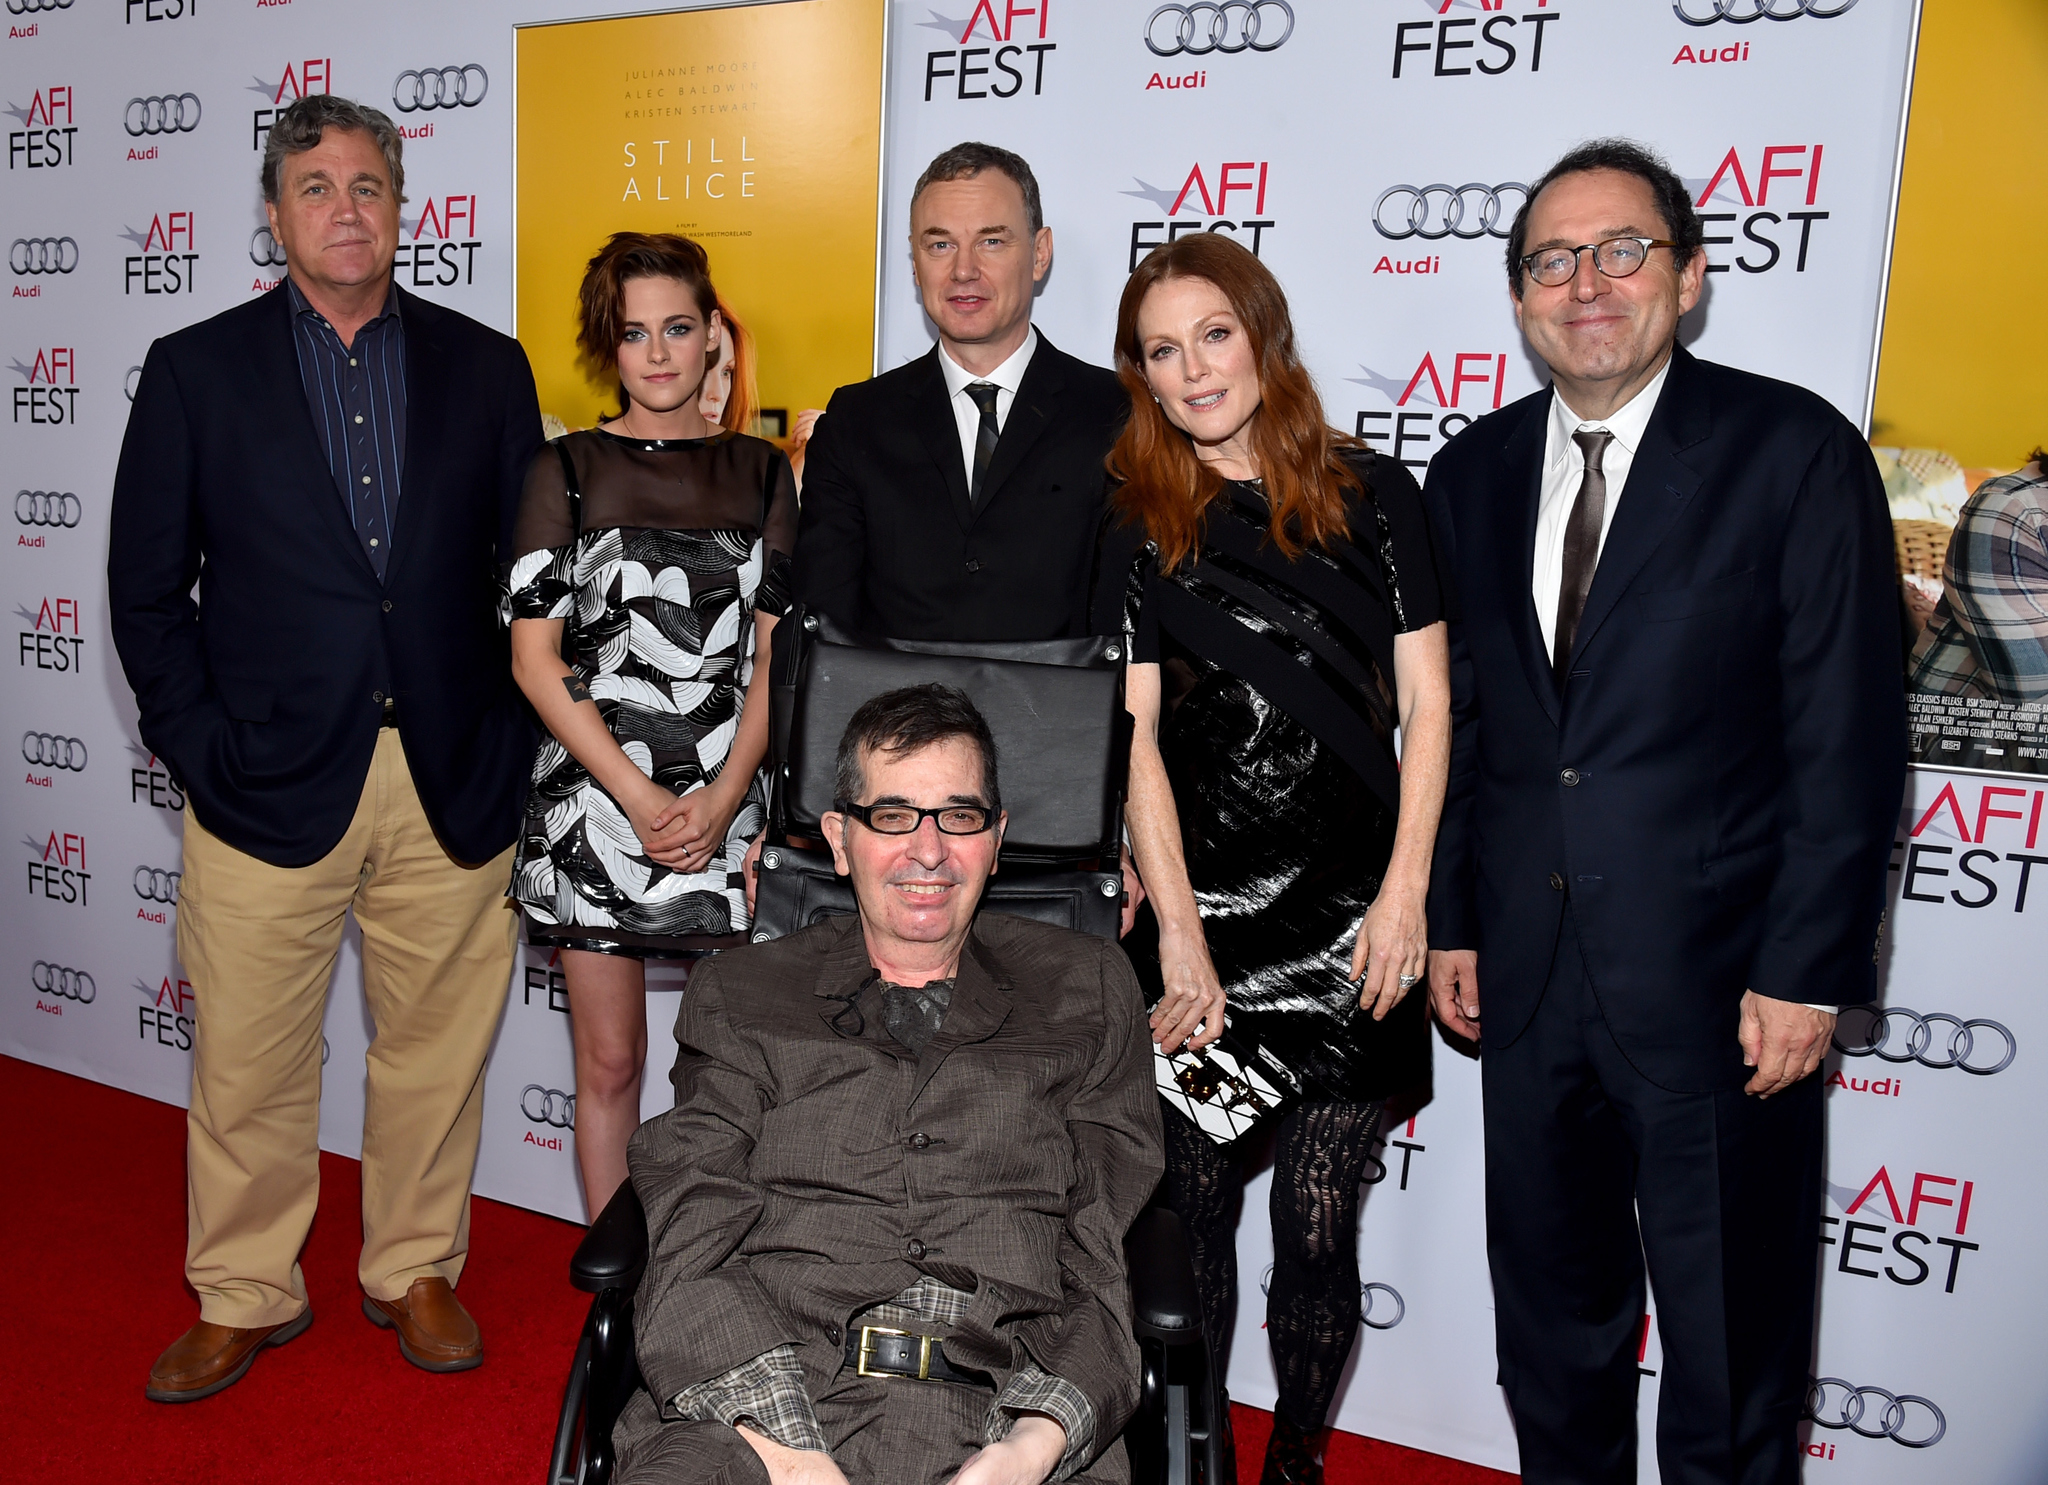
1973, 589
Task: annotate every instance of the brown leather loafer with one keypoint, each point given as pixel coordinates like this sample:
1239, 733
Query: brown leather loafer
208, 1358
435, 1332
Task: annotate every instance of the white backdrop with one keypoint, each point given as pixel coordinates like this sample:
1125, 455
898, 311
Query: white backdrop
1316, 140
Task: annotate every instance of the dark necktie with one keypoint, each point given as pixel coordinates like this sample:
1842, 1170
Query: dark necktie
913, 1014
1581, 547
984, 395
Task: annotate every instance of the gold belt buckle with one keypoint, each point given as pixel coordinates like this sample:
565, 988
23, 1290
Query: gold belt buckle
867, 1348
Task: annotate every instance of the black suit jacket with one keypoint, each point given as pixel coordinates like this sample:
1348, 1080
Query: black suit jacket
888, 543
1733, 724
264, 696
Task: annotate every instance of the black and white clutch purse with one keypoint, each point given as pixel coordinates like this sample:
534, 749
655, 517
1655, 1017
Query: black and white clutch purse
1227, 1087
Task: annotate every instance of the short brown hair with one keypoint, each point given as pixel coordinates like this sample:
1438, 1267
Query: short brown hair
300, 127
1164, 486
631, 255
965, 161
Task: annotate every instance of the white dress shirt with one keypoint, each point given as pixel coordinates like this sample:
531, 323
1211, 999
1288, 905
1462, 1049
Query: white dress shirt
1563, 467
966, 412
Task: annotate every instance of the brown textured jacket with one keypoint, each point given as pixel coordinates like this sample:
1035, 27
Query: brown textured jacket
810, 1170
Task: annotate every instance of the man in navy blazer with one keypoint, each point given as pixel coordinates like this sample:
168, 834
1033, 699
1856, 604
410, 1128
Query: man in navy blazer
337, 466
1678, 757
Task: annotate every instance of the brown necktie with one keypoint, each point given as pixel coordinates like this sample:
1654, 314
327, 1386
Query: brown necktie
1581, 547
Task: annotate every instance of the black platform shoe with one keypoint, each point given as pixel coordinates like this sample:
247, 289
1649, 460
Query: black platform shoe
1294, 1455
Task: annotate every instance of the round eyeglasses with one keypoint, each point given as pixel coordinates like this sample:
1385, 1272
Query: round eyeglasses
1617, 257
904, 819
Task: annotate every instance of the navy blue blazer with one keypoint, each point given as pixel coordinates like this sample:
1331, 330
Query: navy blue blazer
265, 696
1714, 795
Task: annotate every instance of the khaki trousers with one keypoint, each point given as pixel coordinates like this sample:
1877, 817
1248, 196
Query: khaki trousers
259, 944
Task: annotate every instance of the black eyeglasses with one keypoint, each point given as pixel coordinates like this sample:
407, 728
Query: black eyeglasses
904, 819
1618, 257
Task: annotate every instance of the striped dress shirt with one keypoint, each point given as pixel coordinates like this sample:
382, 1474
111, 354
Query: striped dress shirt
356, 394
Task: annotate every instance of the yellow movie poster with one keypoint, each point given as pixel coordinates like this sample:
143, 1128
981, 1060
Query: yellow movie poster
754, 129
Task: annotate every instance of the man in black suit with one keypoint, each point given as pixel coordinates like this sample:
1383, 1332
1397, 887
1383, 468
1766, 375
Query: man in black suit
1678, 755
958, 497
337, 465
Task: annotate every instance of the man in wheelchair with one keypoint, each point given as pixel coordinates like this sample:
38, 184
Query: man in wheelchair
886, 1215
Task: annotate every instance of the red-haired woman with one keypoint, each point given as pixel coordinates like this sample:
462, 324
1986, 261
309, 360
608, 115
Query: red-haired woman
1280, 594
650, 565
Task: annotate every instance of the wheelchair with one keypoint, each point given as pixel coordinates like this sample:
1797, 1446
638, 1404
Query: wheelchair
1062, 736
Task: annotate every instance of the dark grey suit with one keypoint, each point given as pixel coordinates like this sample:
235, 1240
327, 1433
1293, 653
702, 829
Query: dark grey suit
813, 1167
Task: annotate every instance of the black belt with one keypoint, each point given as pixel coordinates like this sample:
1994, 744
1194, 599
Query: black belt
879, 1351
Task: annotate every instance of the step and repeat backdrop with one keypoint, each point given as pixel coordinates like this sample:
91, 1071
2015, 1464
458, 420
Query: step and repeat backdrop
1373, 152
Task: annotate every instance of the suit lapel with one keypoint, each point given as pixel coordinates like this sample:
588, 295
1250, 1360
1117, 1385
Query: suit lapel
279, 380
1522, 488
981, 1003
426, 423
1660, 487
1031, 412
931, 411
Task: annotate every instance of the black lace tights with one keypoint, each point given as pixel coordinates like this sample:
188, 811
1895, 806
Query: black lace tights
1320, 1157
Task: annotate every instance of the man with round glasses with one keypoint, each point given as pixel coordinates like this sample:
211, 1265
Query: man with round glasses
1678, 753
886, 1214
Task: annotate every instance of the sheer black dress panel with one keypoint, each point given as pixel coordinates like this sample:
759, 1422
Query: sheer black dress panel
656, 554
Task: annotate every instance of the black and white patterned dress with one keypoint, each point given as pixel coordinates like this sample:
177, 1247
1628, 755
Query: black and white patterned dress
657, 554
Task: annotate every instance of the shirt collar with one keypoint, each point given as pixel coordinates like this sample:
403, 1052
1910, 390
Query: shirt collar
1009, 376
1627, 423
303, 306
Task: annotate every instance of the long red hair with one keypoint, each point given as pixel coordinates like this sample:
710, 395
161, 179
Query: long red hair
1163, 485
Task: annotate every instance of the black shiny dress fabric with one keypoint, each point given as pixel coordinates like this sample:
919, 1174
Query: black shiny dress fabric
1278, 709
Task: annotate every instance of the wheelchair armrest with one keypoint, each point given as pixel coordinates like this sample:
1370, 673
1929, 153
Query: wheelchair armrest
614, 1252
1168, 1308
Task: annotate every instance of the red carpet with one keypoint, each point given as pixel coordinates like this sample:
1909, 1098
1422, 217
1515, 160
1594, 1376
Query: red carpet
94, 1252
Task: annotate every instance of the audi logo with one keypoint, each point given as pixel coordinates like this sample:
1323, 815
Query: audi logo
43, 254
1368, 1295
1833, 1403
1742, 12
1423, 219
440, 87
549, 1106
29, 7
1959, 1048
153, 884
128, 382
48, 750
1229, 27
263, 249
66, 984
47, 508
172, 113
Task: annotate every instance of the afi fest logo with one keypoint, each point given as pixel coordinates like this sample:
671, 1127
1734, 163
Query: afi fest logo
164, 255
56, 868
1012, 60
166, 1018
1743, 12
1989, 863
1905, 1242
1484, 45
171, 10
438, 247
549, 981
1209, 188
40, 257
1776, 232
150, 783
47, 138
314, 75
428, 89
1444, 404
48, 394
54, 983
44, 644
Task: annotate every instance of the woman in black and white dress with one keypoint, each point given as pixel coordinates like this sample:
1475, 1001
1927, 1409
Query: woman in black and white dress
650, 566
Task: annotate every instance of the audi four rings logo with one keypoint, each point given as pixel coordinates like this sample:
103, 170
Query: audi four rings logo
549, 1106
440, 87
1833, 1403
172, 113
1230, 27
65, 984
49, 750
263, 249
1436, 211
30, 7
1742, 12
43, 254
1976, 1046
1368, 1294
47, 508
153, 884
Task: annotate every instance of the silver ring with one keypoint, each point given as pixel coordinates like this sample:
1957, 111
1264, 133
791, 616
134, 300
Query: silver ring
1408, 981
